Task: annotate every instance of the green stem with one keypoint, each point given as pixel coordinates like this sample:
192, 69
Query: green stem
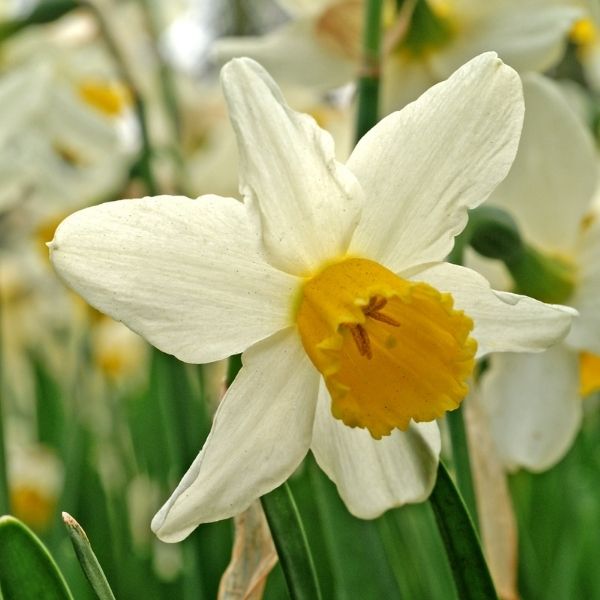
469, 569
462, 462
291, 543
145, 161
368, 83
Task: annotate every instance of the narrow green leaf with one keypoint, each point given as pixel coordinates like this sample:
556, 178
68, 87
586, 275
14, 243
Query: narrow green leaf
291, 543
469, 569
87, 559
462, 462
26, 568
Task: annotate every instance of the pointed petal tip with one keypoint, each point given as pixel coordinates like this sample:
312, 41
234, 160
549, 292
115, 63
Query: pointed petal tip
241, 65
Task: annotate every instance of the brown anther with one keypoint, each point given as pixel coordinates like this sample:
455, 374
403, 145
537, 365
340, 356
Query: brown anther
359, 332
384, 319
361, 339
376, 303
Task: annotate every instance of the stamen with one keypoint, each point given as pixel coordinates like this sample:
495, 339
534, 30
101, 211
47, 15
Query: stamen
359, 332
375, 303
384, 319
361, 339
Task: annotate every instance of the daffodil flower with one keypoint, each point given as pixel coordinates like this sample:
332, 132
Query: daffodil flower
329, 277
535, 401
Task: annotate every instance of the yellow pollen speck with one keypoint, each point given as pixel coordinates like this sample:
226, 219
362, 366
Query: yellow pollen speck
390, 350
589, 373
583, 33
108, 98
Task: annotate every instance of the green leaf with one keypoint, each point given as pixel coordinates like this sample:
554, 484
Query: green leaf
469, 569
27, 571
87, 559
360, 564
291, 543
462, 462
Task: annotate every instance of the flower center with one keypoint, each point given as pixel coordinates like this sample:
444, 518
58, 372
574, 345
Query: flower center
583, 34
390, 350
108, 98
589, 373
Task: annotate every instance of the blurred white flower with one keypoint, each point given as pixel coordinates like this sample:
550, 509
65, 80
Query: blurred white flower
535, 401
330, 277
35, 479
320, 44
65, 126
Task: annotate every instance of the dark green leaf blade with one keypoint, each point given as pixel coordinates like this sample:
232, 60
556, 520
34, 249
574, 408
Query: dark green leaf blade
469, 569
27, 570
291, 543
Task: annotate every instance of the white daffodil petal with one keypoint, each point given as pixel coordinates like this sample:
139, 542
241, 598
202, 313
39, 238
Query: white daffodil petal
185, 274
260, 434
424, 166
293, 55
307, 203
585, 332
529, 36
553, 178
371, 475
504, 322
533, 404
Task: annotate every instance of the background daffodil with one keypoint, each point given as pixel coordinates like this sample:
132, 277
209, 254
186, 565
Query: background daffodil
322, 275
535, 401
